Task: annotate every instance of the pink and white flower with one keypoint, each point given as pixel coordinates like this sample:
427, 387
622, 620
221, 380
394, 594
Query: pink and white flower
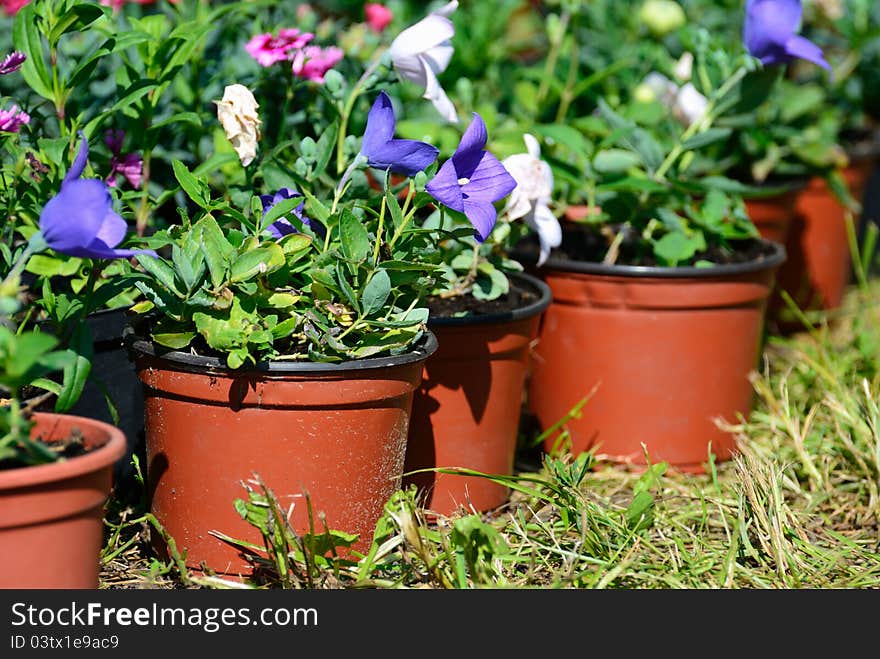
268, 49
313, 62
13, 119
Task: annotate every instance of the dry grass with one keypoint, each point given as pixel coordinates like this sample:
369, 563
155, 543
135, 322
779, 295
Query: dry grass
799, 507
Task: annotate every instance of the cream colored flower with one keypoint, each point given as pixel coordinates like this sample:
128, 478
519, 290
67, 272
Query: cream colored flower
684, 68
237, 112
530, 198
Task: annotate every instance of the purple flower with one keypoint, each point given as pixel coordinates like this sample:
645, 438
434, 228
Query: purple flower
13, 119
382, 151
12, 62
130, 165
282, 227
769, 33
472, 180
80, 221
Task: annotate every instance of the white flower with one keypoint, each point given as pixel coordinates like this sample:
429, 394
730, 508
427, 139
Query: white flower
686, 103
422, 51
684, 68
237, 112
690, 105
657, 87
530, 198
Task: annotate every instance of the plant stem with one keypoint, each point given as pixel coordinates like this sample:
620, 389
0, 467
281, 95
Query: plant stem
379, 232
552, 58
699, 126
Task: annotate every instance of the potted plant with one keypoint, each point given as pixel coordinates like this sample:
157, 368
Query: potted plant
800, 132
286, 335
659, 292
55, 469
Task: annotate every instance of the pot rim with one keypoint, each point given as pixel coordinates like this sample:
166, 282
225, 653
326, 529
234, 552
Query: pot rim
659, 272
522, 313
99, 458
424, 347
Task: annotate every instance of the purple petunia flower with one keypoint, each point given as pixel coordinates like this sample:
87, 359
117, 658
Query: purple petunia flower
770, 33
12, 62
472, 180
13, 119
382, 151
282, 227
80, 220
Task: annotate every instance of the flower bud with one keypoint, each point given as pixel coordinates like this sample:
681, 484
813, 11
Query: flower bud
662, 16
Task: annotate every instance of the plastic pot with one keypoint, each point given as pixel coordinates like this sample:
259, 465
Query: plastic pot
819, 264
466, 411
772, 215
663, 351
334, 432
51, 516
113, 375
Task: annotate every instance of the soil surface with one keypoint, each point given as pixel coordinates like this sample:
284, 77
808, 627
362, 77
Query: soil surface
69, 447
589, 246
518, 297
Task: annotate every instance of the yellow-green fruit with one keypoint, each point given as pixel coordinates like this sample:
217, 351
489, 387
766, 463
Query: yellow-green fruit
662, 16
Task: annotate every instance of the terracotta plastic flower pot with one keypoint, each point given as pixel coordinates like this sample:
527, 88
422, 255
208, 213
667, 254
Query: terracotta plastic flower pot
664, 352
334, 432
773, 215
51, 516
466, 411
819, 262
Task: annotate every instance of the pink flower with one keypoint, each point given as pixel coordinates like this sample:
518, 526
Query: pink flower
268, 50
378, 16
312, 62
11, 7
12, 120
130, 165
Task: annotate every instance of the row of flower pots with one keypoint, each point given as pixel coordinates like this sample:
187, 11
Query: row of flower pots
660, 354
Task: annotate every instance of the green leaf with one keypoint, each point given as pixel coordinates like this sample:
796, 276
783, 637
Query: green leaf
77, 372
190, 184
613, 161
255, 262
347, 290
26, 37
354, 238
675, 247
163, 273
706, 138
279, 210
86, 67
51, 266
48, 385
325, 147
376, 293
216, 248
633, 137
79, 16
173, 340
640, 513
